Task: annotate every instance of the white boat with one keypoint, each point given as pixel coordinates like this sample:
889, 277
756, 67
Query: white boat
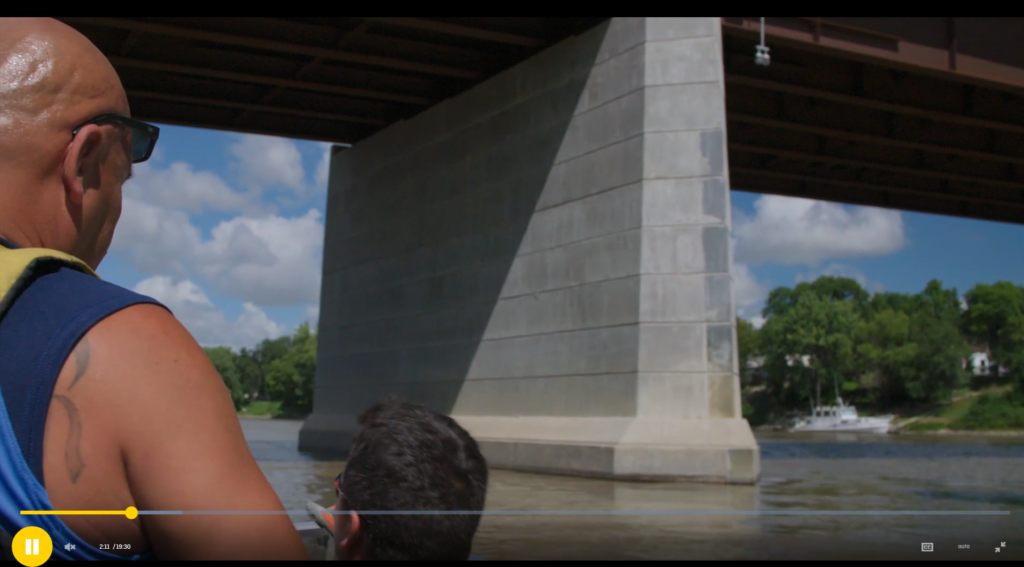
842, 418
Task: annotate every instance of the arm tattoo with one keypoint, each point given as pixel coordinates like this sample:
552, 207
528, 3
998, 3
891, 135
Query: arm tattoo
72, 451
81, 360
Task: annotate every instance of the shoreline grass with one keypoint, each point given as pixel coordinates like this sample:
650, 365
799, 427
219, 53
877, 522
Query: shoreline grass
987, 411
267, 409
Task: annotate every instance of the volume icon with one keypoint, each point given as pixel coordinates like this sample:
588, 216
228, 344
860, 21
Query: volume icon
69, 546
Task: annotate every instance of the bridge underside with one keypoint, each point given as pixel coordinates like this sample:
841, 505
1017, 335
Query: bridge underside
844, 126
921, 114
332, 79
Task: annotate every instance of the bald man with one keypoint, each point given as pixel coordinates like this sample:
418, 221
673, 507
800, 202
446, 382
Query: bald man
108, 402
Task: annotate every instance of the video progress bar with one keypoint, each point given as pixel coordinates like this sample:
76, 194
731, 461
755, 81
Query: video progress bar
594, 513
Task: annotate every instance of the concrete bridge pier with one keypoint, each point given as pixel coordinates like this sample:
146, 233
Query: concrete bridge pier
546, 258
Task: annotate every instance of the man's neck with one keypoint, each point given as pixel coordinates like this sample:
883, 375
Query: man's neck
13, 235
21, 223
20, 238
7, 242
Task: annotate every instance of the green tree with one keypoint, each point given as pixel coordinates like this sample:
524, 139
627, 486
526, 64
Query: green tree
290, 378
899, 302
941, 351
943, 303
914, 344
223, 359
272, 349
840, 289
782, 299
824, 330
995, 316
250, 374
891, 351
254, 365
749, 340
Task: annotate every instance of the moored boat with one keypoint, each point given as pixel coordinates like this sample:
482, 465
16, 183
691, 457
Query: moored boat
842, 418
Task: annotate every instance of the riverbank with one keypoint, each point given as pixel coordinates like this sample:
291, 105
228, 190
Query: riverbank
985, 412
967, 432
939, 432
989, 411
265, 409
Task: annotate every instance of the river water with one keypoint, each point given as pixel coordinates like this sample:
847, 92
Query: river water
801, 476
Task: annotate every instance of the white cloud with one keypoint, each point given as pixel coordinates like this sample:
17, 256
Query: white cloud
841, 271
791, 231
208, 324
154, 239
268, 261
757, 321
179, 187
258, 258
750, 293
265, 162
323, 169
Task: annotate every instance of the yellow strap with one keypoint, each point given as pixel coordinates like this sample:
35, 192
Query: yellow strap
17, 264
14, 262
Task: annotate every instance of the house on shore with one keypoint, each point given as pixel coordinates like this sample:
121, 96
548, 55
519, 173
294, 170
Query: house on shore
757, 373
980, 363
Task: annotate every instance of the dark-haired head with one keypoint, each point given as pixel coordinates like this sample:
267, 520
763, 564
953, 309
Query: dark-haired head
406, 457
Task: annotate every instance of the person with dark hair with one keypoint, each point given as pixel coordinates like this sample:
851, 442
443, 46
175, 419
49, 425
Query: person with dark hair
407, 458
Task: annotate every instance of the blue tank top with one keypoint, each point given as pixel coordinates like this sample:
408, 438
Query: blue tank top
37, 334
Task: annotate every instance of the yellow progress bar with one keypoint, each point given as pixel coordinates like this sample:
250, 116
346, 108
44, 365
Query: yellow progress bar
130, 512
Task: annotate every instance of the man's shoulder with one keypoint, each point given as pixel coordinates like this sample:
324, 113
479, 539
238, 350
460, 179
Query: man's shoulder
75, 282
60, 305
70, 293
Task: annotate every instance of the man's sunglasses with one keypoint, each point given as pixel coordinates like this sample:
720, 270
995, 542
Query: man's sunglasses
144, 135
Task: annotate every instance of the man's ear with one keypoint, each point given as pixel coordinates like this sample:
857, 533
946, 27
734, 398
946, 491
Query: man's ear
81, 167
348, 531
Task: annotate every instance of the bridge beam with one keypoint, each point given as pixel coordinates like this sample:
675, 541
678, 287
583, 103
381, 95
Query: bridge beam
546, 258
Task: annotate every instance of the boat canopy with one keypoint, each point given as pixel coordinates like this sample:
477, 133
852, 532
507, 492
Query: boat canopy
836, 411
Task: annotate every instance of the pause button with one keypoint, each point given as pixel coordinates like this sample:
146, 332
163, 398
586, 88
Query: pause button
32, 546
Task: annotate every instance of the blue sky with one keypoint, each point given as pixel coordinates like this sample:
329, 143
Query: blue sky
227, 230
782, 241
